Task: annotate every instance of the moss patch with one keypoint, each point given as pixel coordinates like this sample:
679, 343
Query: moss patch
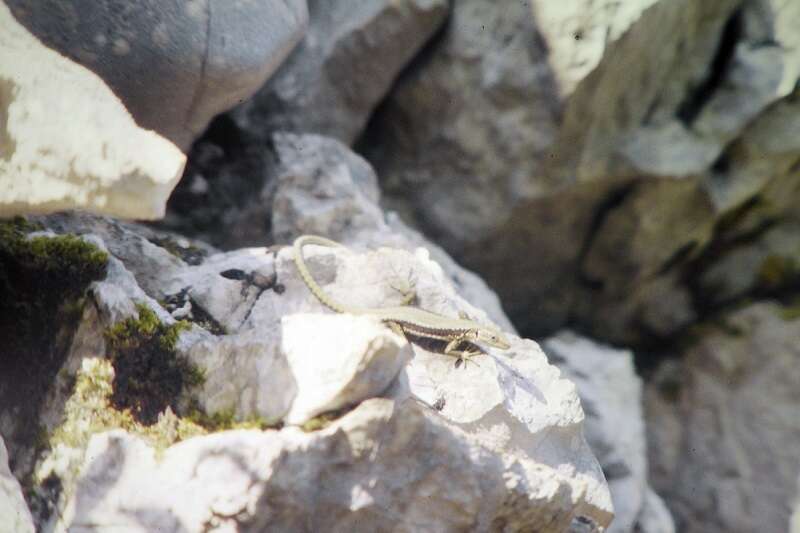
777, 270
149, 374
43, 280
324, 420
90, 410
189, 253
225, 420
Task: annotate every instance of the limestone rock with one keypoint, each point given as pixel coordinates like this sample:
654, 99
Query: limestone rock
290, 480
728, 409
362, 358
13, 509
654, 138
174, 64
611, 395
350, 56
469, 125
68, 143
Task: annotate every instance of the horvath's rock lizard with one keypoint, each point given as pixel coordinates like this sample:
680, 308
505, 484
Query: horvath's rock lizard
407, 320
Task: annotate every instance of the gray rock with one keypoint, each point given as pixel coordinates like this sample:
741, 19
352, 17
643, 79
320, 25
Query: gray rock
350, 56
67, 142
468, 126
360, 474
728, 409
611, 395
597, 183
16, 516
794, 525
174, 64
507, 423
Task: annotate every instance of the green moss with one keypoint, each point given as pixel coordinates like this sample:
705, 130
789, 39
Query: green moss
225, 420
791, 311
190, 254
149, 374
89, 410
323, 420
43, 280
776, 271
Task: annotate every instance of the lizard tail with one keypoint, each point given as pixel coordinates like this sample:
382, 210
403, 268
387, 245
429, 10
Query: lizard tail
315, 289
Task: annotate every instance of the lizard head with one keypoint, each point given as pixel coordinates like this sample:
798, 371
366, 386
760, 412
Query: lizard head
492, 337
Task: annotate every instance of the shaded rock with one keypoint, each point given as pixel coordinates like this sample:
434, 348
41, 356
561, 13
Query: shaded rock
794, 526
68, 142
611, 395
13, 509
341, 70
617, 173
728, 409
174, 65
468, 125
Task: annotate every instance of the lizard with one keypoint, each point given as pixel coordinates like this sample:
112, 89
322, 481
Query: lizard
407, 320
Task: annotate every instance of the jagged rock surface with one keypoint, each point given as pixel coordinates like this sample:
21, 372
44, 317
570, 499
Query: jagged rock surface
350, 56
503, 428
611, 395
67, 142
16, 518
728, 409
652, 140
174, 65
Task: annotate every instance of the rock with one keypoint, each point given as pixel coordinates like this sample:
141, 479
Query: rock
794, 526
69, 143
589, 182
506, 422
174, 65
350, 56
467, 126
268, 480
13, 509
362, 358
350, 211
728, 409
611, 395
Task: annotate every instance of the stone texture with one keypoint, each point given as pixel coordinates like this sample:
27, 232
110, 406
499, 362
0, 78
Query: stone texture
290, 480
350, 56
362, 358
68, 143
611, 395
174, 64
467, 126
794, 526
509, 424
624, 161
16, 518
728, 409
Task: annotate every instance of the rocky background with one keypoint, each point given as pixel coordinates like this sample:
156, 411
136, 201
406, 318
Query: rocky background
617, 181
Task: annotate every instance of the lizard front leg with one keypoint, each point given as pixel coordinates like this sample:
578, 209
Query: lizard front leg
462, 355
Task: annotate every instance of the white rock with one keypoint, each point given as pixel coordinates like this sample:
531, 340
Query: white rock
385, 466
69, 143
611, 394
14, 514
579, 32
338, 360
